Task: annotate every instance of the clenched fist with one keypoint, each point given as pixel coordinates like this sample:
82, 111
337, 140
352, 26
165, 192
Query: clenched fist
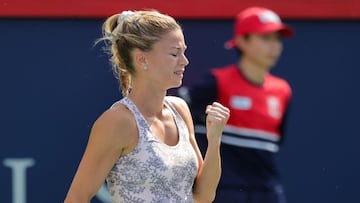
217, 116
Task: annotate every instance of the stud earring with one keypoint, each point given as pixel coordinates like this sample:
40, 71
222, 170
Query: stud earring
145, 67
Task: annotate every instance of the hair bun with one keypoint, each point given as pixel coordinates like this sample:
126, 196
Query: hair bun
123, 16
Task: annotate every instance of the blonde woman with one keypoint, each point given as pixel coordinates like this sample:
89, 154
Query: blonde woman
144, 145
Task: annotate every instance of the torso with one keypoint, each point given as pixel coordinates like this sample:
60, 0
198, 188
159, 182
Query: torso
252, 133
253, 107
161, 157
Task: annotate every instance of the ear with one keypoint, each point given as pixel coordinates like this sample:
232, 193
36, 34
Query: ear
139, 58
240, 42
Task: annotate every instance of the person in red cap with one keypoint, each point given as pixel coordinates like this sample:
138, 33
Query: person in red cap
258, 102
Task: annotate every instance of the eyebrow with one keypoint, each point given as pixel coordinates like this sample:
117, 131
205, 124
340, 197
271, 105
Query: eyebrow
179, 48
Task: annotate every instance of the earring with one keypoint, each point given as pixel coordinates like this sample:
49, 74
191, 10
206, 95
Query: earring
145, 67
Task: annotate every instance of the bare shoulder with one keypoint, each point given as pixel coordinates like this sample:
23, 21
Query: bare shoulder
177, 101
183, 109
116, 126
180, 104
116, 117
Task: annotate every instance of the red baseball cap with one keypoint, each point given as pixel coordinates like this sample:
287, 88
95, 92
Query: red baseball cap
258, 20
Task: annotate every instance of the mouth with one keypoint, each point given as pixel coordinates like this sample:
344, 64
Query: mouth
179, 72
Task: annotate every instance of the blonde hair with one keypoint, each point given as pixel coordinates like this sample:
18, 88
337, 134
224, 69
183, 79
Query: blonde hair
128, 30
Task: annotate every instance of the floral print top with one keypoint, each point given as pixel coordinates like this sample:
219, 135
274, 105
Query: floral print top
154, 171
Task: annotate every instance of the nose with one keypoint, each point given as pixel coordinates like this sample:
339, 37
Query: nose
184, 61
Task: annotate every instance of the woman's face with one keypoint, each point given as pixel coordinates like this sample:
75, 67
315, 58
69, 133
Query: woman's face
263, 50
166, 61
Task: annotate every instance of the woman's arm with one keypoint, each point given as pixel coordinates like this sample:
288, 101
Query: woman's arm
210, 168
108, 140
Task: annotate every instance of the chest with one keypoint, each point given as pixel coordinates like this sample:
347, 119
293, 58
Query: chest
165, 129
255, 107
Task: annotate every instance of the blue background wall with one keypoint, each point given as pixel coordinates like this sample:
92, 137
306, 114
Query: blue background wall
54, 83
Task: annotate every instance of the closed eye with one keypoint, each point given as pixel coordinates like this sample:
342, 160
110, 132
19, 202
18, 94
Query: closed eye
178, 51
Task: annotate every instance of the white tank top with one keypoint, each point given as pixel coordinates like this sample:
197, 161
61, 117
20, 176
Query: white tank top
154, 171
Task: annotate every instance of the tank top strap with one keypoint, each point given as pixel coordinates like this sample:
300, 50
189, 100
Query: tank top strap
142, 124
183, 129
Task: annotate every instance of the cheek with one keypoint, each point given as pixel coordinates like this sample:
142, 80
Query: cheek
258, 50
275, 50
166, 65
162, 62
271, 48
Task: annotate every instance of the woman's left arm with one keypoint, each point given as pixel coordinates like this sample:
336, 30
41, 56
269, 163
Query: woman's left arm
210, 167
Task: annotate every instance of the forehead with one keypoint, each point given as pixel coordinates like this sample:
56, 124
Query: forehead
172, 39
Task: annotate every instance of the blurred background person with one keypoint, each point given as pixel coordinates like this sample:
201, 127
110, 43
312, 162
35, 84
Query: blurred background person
259, 103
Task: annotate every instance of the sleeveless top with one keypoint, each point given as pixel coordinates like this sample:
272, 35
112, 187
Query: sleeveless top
154, 171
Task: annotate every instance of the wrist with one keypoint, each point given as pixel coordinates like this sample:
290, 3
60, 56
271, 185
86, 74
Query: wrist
214, 141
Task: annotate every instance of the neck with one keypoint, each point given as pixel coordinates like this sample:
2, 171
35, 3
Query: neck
253, 72
150, 103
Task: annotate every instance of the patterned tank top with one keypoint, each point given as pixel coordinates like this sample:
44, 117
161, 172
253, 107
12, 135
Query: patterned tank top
154, 171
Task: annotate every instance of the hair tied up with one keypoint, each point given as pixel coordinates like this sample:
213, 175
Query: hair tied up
124, 16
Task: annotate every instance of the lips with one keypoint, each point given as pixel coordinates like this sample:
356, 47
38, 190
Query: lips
179, 72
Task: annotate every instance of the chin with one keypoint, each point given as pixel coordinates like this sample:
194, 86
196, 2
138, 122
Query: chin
270, 64
177, 85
